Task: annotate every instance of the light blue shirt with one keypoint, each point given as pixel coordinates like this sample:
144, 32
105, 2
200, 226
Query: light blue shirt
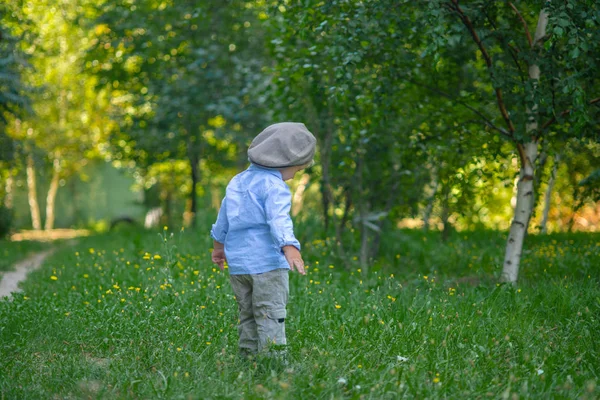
254, 222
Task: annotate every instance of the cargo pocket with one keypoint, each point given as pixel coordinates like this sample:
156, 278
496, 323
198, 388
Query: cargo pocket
277, 315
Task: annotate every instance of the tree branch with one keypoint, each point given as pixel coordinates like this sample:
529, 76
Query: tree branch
484, 119
562, 114
488, 60
523, 22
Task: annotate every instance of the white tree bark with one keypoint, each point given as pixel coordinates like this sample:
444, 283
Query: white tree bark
51, 196
523, 209
528, 153
298, 198
8, 189
34, 207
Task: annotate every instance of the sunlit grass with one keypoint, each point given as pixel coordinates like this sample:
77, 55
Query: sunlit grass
146, 315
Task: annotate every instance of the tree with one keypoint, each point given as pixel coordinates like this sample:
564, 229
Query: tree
67, 121
13, 102
541, 82
180, 73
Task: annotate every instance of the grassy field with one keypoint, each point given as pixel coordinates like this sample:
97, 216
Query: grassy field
146, 315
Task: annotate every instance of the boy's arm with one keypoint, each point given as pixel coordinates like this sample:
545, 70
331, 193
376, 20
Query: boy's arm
219, 233
294, 258
221, 226
278, 202
218, 254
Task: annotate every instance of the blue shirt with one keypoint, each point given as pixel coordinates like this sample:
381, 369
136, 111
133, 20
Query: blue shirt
254, 222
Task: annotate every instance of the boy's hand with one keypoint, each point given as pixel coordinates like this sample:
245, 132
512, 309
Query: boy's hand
293, 257
218, 255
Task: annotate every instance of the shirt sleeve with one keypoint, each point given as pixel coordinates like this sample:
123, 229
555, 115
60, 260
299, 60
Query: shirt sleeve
220, 228
277, 208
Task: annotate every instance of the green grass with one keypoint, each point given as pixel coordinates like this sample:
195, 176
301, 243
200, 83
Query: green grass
107, 318
11, 252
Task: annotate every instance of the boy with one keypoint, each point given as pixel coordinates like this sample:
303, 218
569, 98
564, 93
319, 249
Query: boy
254, 233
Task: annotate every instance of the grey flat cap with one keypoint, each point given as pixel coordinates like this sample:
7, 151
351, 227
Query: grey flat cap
281, 145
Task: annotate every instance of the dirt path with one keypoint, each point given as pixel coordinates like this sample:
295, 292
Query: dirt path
9, 281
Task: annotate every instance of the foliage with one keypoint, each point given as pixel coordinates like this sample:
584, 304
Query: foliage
183, 78
141, 315
12, 98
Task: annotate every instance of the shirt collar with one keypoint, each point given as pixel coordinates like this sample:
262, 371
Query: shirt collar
272, 171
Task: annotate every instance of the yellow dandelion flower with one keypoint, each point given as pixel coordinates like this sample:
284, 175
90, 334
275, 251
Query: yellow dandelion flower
86, 276
165, 228
338, 306
157, 257
54, 277
208, 343
179, 349
436, 380
146, 256
92, 251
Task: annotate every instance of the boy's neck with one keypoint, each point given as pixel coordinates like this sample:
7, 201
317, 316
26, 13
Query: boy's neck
289, 172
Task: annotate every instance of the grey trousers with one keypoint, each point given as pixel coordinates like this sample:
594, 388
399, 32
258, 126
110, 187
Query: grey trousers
261, 300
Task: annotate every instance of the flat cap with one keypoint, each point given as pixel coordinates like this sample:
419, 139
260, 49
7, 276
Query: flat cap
281, 145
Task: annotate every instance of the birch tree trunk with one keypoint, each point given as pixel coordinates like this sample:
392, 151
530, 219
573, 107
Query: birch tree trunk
298, 198
8, 189
51, 196
548, 196
528, 153
34, 207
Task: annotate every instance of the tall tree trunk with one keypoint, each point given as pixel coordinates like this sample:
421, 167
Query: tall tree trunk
192, 208
548, 195
445, 210
51, 197
523, 209
328, 129
36, 221
430, 201
363, 215
8, 190
528, 153
298, 198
